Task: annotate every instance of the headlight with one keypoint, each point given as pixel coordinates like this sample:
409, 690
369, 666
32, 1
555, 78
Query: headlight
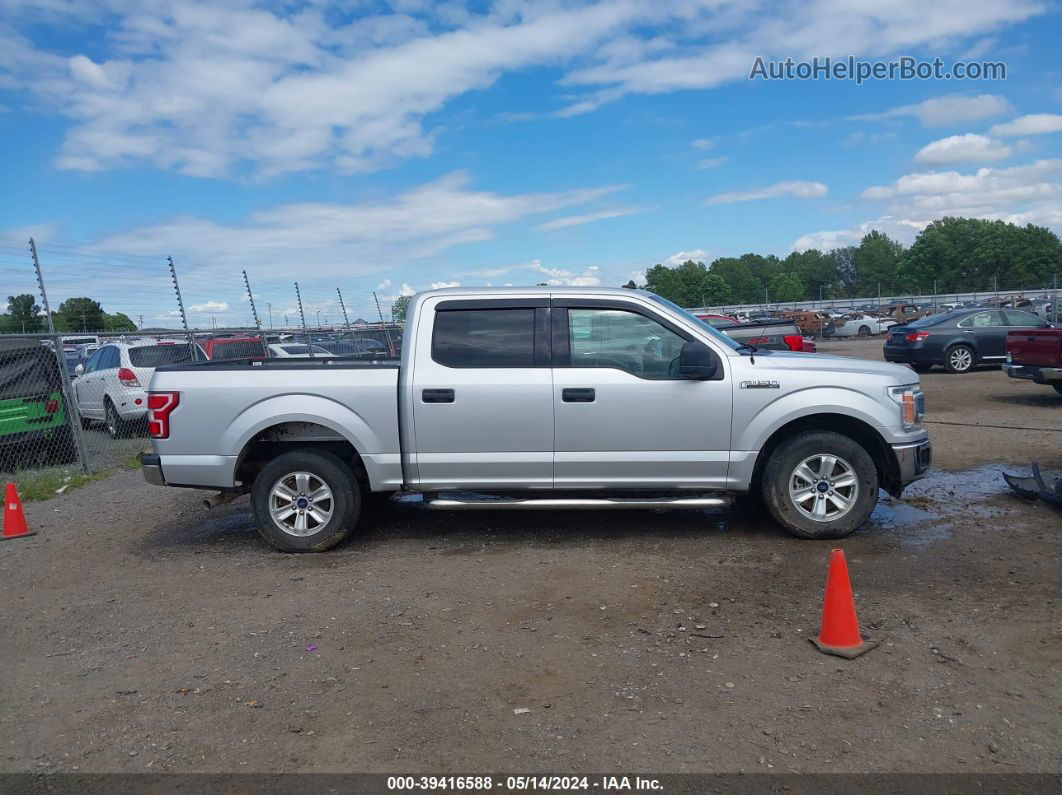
912, 403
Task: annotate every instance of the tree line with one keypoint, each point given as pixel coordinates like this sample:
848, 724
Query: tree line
24, 316
952, 255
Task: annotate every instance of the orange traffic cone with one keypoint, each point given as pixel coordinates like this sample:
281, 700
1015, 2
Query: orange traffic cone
14, 519
839, 634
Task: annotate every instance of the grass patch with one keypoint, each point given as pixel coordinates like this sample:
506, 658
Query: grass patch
43, 484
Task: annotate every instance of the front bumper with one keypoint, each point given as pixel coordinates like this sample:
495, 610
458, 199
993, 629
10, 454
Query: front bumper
913, 460
1032, 372
152, 467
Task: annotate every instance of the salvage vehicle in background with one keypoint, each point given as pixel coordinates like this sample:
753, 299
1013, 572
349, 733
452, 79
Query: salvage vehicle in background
859, 325
959, 340
536, 398
111, 387
222, 348
771, 335
34, 427
1036, 355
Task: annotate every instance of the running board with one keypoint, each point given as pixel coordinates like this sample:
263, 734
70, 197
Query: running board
571, 503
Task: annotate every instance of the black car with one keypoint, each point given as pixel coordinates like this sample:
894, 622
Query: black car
957, 340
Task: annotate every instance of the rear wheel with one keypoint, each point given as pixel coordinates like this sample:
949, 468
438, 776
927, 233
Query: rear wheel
305, 501
116, 426
820, 484
864, 331
959, 359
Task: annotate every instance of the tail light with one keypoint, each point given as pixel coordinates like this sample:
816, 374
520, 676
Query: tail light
160, 405
127, 377
809, 345
915, 336
795, 342
51, 406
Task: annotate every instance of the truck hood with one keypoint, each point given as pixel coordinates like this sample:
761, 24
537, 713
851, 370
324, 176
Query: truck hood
786, 360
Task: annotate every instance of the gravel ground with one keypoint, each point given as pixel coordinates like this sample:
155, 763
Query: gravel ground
144, 633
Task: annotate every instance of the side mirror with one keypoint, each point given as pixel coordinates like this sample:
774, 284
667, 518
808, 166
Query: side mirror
697, 362
79, 370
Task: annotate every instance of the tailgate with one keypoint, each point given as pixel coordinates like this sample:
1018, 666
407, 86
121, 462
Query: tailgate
1042, 347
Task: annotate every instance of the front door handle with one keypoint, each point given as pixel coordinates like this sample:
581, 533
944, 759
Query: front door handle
437, 396
577, 395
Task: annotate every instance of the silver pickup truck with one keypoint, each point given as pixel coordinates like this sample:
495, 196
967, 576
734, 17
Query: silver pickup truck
530, 398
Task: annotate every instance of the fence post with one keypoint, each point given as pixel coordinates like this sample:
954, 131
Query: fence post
302, 317
250, 297
387, 331
180, 306
73, 416
343, 306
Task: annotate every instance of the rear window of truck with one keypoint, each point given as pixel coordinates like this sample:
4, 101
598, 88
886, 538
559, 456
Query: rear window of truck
484, 338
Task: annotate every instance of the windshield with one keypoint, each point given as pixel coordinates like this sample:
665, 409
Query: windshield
723, 339
932, 320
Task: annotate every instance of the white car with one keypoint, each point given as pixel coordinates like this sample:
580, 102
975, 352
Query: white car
111, 387
861, 325
296, 350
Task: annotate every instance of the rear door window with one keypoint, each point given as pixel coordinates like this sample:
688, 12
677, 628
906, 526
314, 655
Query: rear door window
983, 320
484, 337
109, 358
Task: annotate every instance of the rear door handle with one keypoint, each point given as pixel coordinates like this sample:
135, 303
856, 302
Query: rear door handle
577, 395
437, 396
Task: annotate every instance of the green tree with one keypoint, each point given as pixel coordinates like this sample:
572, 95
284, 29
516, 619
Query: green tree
399, 308
786, 287
744, 287
876, 261
118, 322
816, 270
23, 314
79, 314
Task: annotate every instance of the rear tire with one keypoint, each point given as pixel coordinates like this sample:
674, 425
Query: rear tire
864, 331
305, 501
796, 500
959, 359
116, 426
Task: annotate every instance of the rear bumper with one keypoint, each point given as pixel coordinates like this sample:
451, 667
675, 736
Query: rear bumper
152, 468
1033, 372
910, 354
913, 460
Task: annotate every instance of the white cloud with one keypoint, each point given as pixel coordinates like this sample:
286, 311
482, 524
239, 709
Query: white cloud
406, 290
967, 148
587, 218
442, 285
703, 143
590, 277
697, 255
942, 111
1033, 124
712, 162
373, 235
801, 189
229, 88
386, 283
210, 306
1027, 194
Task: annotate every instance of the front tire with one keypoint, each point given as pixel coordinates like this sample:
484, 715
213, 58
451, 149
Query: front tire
820, 484
959, 359
864, 331
305, 501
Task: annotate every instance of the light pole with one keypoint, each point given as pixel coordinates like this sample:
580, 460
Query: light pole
270, 306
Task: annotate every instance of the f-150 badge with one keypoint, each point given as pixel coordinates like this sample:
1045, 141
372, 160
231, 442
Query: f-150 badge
759, 385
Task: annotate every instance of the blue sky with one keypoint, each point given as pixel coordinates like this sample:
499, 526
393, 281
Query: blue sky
396, 146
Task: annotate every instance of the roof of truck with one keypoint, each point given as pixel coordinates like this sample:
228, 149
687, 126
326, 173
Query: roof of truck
555, 288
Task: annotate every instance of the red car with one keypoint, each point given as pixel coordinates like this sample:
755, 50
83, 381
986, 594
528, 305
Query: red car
1036, 355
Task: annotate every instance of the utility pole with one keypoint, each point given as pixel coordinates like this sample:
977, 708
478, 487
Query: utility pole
318, 318
250, 297
302, 315
141, 322
269, 305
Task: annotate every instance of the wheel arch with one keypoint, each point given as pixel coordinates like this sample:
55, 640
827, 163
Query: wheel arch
866, 435
286, 436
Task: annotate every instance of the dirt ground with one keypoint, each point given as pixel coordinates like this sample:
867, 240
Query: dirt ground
144, 633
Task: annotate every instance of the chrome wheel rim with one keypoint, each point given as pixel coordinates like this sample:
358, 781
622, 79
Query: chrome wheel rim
823, 487
112, 420
961, 359
300, 503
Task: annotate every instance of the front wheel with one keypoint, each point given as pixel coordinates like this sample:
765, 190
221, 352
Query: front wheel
820, 484
116, 426
305, 501
864, 331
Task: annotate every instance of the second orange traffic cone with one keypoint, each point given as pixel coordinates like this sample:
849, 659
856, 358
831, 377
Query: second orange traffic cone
839, 634
14, 519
